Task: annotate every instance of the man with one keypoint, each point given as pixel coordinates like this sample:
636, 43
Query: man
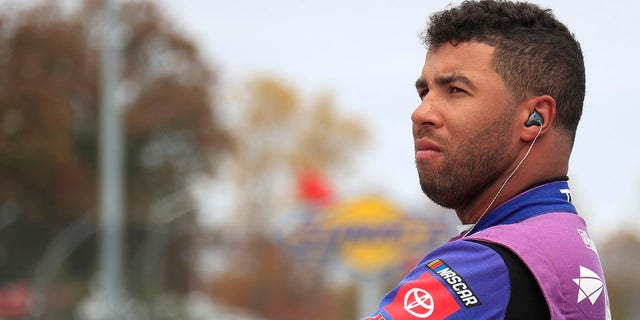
501, 95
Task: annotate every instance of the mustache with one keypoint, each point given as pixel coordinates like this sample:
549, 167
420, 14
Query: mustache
426, 132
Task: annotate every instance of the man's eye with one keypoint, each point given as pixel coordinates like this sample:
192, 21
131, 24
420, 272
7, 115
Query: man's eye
456, 90
423, 93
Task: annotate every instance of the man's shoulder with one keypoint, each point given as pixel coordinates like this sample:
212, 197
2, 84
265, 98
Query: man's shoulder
558, 250
546, 233
458, 280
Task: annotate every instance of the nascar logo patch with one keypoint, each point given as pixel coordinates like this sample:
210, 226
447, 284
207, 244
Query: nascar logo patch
455, 282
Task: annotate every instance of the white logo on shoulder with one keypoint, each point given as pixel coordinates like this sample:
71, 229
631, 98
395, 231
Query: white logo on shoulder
587, 240
566, 192
419, 303
589, 285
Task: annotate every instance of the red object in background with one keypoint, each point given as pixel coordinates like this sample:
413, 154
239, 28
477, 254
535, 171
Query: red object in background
313, 187
14, 300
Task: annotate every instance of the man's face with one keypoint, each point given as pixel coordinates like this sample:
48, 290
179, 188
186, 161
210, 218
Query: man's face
464, 126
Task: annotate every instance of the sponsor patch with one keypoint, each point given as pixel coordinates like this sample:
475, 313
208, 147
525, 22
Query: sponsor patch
587, 240
589, 285
423, 298
455, 282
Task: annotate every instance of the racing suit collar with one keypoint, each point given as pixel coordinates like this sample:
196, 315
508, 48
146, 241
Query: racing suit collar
554, 196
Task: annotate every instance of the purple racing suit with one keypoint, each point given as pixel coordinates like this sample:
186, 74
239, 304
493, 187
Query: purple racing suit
467, 279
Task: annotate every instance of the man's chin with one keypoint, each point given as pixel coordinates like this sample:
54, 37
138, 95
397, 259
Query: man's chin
441, 198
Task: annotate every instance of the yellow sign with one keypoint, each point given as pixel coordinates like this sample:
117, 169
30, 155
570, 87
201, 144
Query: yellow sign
369, 234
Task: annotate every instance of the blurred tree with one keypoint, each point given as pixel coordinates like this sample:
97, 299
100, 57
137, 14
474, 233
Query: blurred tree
280, 136
282, 139
620, 257
278, 289
48, 135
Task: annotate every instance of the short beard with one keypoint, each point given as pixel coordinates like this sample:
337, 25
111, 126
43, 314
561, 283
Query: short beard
474, 165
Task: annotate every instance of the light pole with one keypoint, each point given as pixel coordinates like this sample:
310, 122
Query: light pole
111, 198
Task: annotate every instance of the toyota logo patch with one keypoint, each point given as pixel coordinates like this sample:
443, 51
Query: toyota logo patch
419, 303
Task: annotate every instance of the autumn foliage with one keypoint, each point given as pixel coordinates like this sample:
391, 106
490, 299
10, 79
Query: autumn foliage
49, 71
49, 100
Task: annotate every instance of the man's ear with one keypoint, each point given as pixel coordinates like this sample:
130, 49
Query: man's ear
537, 115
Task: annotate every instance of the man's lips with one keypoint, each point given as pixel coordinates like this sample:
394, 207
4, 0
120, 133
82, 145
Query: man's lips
427, 149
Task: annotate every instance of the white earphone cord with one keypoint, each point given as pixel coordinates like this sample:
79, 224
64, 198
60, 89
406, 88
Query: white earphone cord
505, 182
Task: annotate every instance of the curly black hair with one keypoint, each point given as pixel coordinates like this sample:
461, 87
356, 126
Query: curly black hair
534, 53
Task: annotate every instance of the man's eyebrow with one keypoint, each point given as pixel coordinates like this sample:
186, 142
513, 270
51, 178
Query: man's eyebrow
454, 77
421, 84
446, 79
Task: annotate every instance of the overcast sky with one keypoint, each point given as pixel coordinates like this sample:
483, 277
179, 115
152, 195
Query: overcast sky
367, 53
